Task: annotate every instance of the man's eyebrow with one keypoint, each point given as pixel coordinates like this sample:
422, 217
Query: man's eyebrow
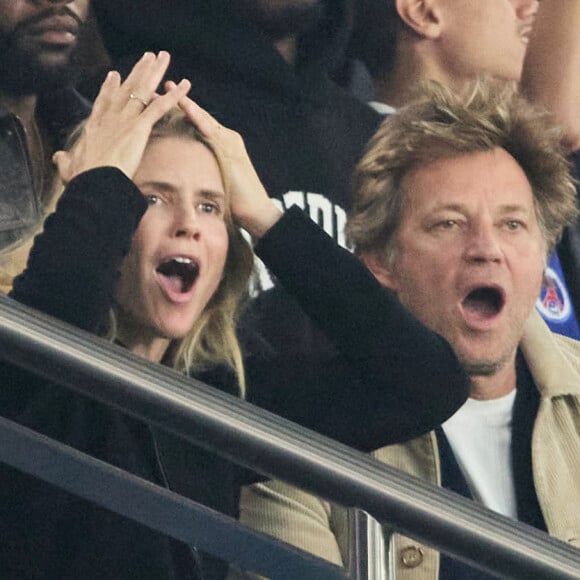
506, 208
514, 208
448, 206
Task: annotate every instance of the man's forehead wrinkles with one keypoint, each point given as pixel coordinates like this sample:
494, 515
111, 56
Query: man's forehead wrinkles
442, 205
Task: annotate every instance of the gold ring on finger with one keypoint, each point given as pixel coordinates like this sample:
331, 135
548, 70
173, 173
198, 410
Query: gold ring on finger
134, 97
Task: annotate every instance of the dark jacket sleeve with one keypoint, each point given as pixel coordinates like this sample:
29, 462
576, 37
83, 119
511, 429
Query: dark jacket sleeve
71, 275
73, 266
393, 378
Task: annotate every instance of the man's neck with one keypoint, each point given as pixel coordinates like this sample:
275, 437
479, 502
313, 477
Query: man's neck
23, 107
414, 64
396, 86
495, 386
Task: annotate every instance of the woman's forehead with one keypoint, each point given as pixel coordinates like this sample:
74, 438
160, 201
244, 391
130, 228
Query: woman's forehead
182, 162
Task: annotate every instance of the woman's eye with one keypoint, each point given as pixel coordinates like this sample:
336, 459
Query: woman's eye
207, 207
153, 199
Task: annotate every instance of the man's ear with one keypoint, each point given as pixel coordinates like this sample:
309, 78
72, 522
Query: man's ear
421, 16
377, 264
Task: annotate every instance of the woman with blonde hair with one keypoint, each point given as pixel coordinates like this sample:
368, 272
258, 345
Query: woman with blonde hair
147, 229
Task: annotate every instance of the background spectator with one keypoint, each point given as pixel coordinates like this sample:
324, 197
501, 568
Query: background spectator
38, 107
551, 77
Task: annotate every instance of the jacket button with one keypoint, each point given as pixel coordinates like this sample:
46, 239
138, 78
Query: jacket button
411, 557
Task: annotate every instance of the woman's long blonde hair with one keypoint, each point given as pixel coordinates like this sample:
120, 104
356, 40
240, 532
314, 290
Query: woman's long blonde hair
212, 340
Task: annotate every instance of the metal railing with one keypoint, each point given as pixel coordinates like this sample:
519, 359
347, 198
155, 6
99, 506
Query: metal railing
366, 557
167, 512
279, 449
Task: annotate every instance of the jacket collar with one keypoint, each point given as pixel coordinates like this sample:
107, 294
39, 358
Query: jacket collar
553, 360
59, 112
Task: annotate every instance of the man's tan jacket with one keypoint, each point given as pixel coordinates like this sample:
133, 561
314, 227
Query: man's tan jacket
321, 528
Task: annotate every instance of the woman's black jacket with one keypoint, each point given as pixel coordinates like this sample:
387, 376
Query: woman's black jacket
393, 380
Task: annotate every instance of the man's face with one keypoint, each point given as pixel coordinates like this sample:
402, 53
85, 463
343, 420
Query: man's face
282, 18
469, 255
37, 43
485, 37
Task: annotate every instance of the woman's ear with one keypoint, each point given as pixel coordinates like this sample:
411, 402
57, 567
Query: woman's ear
377, 264
424, 17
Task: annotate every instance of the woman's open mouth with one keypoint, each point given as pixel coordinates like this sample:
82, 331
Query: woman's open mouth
177, 276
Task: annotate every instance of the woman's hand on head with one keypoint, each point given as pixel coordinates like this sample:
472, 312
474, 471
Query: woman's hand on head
118, 128
251, 206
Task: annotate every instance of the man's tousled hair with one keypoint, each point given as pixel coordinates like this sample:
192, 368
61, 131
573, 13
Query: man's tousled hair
441, 124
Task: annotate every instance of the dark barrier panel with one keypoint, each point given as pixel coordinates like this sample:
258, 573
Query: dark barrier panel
280, 449
167, 512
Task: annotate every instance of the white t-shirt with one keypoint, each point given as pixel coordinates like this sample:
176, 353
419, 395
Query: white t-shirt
480, 435
382, 108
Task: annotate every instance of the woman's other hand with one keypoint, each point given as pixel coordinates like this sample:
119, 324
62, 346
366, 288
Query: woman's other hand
251, 206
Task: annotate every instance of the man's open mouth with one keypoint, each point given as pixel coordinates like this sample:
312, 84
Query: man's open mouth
179, 273
484, 301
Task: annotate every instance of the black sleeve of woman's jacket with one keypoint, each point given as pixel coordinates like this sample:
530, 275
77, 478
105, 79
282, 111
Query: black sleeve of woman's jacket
74, 263
393, 378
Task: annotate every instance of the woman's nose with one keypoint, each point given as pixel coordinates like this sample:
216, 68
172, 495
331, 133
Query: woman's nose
186, 222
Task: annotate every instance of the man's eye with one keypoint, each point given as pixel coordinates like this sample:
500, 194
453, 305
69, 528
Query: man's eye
514, 225
446, 224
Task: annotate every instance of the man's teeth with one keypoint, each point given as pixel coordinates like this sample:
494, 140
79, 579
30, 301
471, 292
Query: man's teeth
182, 260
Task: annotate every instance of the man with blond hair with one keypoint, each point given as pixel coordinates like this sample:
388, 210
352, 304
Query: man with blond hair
458, 201
406, 42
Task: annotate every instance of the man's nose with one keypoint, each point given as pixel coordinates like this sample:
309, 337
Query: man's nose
483, 244
526, 9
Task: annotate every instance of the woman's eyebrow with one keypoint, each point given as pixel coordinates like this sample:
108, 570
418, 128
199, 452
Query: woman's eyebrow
170, 188
161, 185
213, 195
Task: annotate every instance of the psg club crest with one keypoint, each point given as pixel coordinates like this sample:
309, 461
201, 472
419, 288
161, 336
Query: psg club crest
553, 302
